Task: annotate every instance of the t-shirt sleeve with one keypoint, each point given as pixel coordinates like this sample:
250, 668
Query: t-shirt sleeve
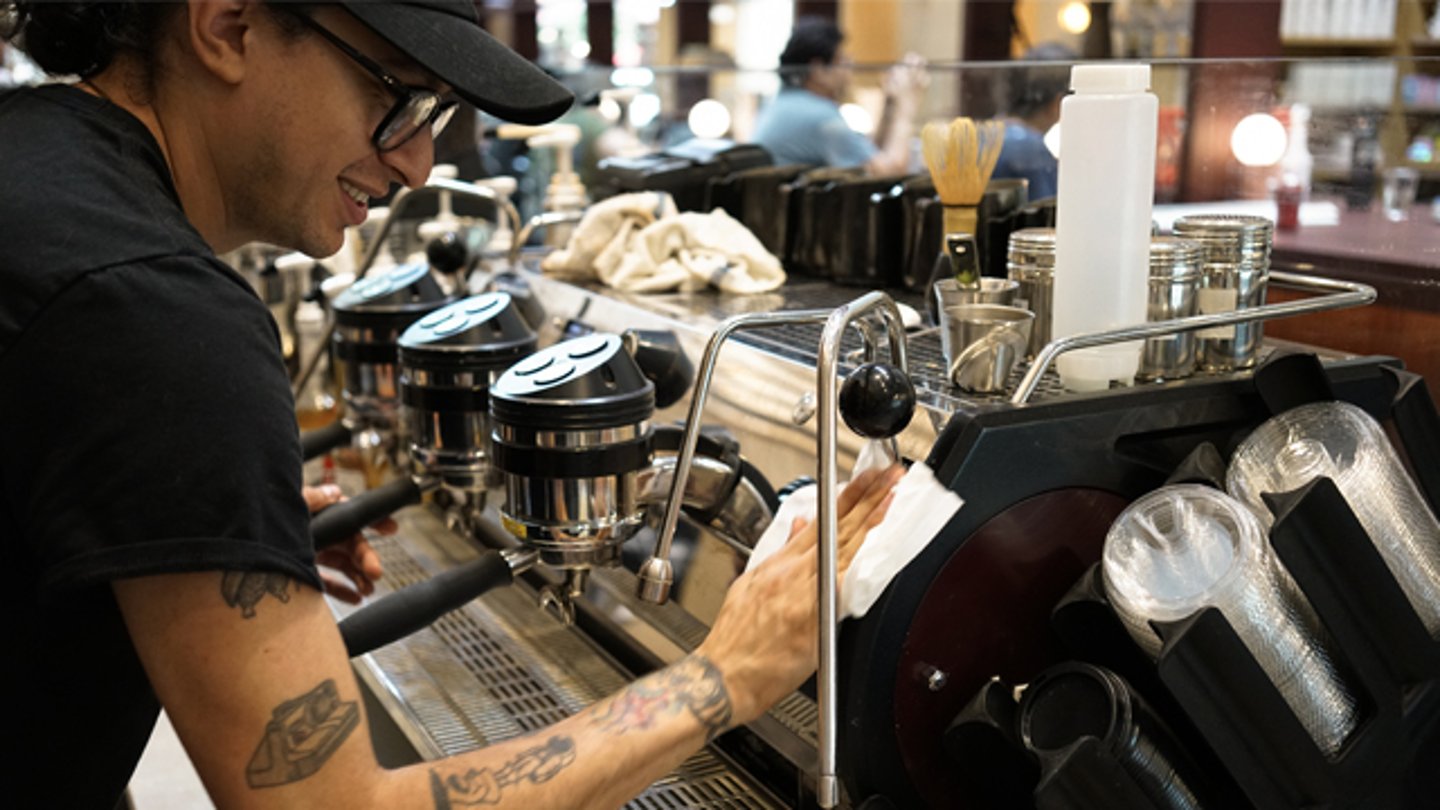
151, 430
844, 147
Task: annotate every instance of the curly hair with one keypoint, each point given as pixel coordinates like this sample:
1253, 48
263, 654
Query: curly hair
82, 38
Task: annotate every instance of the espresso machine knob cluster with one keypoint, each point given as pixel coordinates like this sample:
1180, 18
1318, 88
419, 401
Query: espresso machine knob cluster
570, 434
448, 359
369, 318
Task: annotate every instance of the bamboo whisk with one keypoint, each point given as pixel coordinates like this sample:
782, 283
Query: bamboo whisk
961, 156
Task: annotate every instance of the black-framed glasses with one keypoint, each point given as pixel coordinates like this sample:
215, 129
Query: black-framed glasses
414, 108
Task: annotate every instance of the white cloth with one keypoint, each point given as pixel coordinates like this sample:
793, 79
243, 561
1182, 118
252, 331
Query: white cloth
638, 243
921, 508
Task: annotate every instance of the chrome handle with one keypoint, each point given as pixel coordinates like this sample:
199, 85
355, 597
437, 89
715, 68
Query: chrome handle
1338, 295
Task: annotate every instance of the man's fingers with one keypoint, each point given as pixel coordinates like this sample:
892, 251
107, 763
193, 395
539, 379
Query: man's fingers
317, 498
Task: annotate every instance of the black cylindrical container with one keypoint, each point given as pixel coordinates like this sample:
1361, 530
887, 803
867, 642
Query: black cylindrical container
369, 318
448, 360
1075, 717
570, 432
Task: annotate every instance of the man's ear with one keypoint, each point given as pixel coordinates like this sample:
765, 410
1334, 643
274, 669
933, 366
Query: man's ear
218, 33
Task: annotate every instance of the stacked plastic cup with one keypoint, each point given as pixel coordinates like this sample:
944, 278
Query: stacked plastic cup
1181, 549
1343, 442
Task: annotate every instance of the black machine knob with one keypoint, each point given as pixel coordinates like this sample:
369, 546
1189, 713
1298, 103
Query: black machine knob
877, 400
448, 253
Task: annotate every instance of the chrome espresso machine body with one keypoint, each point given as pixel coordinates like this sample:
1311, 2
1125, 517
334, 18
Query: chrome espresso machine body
925, 682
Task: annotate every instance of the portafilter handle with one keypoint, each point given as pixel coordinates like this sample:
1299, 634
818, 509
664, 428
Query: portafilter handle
401, 613
318, 442
339, 521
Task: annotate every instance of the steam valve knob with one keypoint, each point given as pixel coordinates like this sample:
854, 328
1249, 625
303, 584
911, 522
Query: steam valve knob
877, 400
448, 253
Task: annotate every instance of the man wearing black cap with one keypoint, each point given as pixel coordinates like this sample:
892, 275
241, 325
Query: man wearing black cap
150, 499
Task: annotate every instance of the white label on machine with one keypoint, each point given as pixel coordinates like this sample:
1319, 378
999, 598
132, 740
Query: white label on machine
1213, 301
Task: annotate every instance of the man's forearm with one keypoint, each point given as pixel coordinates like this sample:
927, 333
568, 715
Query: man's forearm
601, 757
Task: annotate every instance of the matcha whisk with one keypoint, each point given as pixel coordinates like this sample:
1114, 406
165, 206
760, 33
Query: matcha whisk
961, 156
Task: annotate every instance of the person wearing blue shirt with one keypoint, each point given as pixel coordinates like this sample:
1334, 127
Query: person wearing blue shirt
803, 125
1033, 108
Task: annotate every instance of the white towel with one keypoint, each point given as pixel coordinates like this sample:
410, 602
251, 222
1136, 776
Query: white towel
921, 508
634, 243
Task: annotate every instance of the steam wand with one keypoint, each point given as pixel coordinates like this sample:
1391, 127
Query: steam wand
656, 576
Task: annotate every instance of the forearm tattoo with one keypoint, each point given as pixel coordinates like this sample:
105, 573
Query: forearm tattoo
692, 684
301, 736
481, 786
245, 589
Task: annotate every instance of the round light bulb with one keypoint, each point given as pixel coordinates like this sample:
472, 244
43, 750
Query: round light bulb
644, 109
1258, 140
1075, 17
709, 119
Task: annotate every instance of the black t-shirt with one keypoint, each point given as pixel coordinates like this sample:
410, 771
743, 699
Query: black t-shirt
146, 427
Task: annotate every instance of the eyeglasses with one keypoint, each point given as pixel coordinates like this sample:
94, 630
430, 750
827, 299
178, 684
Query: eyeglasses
414, 108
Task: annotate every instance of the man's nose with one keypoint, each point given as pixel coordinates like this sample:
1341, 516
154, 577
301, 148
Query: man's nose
413, 160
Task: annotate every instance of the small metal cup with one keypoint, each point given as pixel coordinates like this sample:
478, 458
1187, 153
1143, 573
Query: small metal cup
999, 291
982, 343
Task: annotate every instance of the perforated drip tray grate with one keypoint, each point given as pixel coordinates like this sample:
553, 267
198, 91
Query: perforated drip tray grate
500, 668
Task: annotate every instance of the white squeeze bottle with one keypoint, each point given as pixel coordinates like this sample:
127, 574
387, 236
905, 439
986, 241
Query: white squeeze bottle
1102, 217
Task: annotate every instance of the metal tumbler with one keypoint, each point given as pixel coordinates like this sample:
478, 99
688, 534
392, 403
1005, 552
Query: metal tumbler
1174, 293
1235, 258
1031, 263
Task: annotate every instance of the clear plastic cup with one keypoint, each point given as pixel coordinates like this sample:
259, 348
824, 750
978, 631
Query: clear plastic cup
1344, 443
1184, 548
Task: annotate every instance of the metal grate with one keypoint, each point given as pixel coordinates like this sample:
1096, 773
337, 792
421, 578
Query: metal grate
501, 668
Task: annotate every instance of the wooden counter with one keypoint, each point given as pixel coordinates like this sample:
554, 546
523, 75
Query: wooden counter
1401, 260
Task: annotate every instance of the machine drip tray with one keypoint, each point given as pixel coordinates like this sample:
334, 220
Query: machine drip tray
500, 668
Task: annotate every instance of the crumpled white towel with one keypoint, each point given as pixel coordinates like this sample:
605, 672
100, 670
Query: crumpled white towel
637, 243
921, 508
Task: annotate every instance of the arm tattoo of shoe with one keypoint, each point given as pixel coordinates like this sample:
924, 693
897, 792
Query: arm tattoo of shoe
245, 589
301, 736
691, 684
482, 786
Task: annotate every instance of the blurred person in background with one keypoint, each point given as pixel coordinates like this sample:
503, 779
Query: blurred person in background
803, 125
1032, 108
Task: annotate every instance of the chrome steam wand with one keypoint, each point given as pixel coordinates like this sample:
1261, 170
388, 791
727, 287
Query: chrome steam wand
657, 575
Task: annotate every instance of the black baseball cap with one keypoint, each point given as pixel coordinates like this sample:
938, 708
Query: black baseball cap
445, 37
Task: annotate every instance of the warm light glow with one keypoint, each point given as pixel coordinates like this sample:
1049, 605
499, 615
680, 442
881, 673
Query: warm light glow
1075, 17
632, 77
644, 109
722, 14
1258, 140
609, 109
709, 119
580, 49
1052, 140
857, 118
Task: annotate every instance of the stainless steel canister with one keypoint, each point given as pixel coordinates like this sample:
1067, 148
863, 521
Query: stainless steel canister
1031, 262
1174, 293
1235, 269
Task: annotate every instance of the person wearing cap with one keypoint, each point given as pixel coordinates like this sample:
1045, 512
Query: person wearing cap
802, 125
150, 495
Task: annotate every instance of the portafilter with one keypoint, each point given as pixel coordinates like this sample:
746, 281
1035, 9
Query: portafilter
447, 361
570, 434
369, 318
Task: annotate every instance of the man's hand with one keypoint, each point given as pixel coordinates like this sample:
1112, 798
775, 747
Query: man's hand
764, 642
354, 558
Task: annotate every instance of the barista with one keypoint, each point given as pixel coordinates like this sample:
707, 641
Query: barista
802, 124
150, 485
